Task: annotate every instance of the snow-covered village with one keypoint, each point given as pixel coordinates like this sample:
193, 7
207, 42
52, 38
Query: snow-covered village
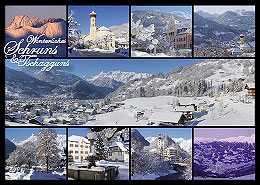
35, 154
213, 92
98, 154
160, 31
224, 153
161, 154
89, 38
224, 31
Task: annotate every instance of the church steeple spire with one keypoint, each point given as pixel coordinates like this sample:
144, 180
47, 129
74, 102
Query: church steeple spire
93, 28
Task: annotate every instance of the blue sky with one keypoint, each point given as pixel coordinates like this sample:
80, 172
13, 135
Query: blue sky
106, 16
222, 9
185, 133
20, 134
164, 8
92, 67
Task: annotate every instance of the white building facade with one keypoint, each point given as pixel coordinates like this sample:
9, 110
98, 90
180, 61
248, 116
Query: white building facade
78, 148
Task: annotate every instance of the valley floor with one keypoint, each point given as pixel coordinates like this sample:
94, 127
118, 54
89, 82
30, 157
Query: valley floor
246, 177
221, 112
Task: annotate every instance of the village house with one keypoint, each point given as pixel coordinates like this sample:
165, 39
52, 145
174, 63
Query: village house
105, 109
37, 120
174, 118
119, 152
78, 148
90, 112
198, 104
139, 113
186, 110
250, 89
48, 121
121, 43
172, 154
13, 117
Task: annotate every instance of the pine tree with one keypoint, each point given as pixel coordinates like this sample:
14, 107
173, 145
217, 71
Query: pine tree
46, 148
100, 149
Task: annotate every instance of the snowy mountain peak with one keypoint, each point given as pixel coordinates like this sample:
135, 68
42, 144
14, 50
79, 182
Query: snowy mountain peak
120, 76
183, 14
238, 139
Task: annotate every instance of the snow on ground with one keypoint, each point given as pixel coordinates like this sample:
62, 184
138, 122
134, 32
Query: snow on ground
30, 174
95, 52
139, 176
221, 112
123, 167
144, 177
144, 54
226, 113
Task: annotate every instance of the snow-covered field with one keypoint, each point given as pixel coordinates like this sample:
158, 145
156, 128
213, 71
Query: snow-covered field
13, 173
221, 112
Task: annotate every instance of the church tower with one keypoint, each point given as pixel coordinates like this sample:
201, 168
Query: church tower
242, 40
93, 29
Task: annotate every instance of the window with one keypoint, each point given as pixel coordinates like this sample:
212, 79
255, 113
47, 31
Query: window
76, 152
86, 146
76, 157
86, 152
71, 145
76, 145
81, 152
81, 146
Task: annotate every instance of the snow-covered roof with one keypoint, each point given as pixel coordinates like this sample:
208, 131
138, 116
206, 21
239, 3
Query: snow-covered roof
245, 45
14, 115
38, 118
167, 117
251, 85
171, 148
184, 108
78, 138
236, 50
49, 119
89, 110
103, 28
120, 40
120, 145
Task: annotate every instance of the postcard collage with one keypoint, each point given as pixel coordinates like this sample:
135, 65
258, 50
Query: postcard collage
129, 92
